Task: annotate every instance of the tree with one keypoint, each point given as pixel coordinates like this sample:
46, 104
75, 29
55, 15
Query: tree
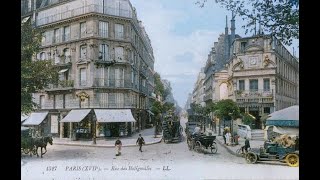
248, 119
210, 107
35, 75
226, 108
159, 88
278, 17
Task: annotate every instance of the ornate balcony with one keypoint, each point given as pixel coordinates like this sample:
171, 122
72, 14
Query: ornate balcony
61, 85
254, 97
253, 94
112, 83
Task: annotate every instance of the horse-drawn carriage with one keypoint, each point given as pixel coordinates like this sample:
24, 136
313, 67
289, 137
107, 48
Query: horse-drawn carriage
200, 142
30, 145
197, 140
172, 130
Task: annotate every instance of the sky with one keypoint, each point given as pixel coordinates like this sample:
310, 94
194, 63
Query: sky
182, 35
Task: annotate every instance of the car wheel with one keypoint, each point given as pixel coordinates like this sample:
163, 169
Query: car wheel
292, 160
251, 158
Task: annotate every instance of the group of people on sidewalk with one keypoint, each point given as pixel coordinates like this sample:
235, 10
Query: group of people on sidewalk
118, 144
228, 140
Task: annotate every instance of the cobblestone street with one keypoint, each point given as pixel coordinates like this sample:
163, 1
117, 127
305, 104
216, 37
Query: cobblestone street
158, 161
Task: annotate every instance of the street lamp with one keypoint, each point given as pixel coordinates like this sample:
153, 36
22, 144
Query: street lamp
231, 124
94, 129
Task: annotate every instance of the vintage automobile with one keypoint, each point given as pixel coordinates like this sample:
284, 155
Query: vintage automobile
274, 152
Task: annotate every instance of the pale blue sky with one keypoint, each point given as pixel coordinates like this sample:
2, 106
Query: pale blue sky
182, 35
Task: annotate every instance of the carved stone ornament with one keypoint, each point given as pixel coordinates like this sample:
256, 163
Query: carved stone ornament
83, 96
240, 62
93, 46
266, 61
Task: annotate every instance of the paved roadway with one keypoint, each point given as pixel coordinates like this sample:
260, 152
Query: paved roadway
158, 161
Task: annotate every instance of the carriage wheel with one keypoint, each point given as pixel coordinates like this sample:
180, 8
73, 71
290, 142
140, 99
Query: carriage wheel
292, 160
198, 146
251, 158
34, 150
26, 151
214, 148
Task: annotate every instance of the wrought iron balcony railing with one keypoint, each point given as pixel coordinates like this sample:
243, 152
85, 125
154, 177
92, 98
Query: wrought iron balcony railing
62, 84
253, 93
112, 83
84, 10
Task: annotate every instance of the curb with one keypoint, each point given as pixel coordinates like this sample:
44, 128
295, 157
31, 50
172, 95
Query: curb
228, 149
105, 146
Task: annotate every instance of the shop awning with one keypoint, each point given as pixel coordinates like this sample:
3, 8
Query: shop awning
35, 118
114, 115
150, 112
76, 115
24, 117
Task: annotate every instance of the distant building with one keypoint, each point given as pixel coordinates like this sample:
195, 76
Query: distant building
199, 90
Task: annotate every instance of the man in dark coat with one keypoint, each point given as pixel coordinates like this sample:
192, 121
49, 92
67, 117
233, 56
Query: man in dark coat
224, 136
246, 145
140, 141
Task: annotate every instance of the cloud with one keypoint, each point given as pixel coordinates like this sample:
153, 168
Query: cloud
178, 58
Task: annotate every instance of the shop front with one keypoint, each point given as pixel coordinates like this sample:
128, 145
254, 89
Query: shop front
114, 122
79, 124
37, 122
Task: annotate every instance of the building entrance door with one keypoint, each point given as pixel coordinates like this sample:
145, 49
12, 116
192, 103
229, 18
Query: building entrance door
66, 130
257, 123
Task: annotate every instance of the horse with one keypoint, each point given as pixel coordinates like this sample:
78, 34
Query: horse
42, 142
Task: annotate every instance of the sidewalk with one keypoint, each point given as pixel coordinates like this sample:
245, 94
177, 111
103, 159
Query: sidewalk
233, 149
147, 134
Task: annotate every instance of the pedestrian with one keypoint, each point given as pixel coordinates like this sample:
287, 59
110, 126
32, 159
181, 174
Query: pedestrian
224, 136
140, 141
246, 145
118, 145
228, 137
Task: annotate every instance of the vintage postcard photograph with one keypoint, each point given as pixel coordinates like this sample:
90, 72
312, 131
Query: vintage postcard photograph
159, 89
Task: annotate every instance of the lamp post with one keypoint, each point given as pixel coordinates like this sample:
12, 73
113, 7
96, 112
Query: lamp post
94, 129
231, 124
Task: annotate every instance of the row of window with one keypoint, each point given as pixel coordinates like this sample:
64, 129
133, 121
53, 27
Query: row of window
286, 89
254, 85
64, 34
286, 70
103, 99
283, 104
66, 56
105, 76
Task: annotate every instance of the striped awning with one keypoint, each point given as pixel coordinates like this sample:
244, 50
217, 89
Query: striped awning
114, 115
35, 118
76, 115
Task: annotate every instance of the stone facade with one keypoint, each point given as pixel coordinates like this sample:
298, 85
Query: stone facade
104, 56
263, 76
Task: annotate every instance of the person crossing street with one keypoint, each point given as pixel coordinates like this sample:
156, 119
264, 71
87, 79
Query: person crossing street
140, 141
